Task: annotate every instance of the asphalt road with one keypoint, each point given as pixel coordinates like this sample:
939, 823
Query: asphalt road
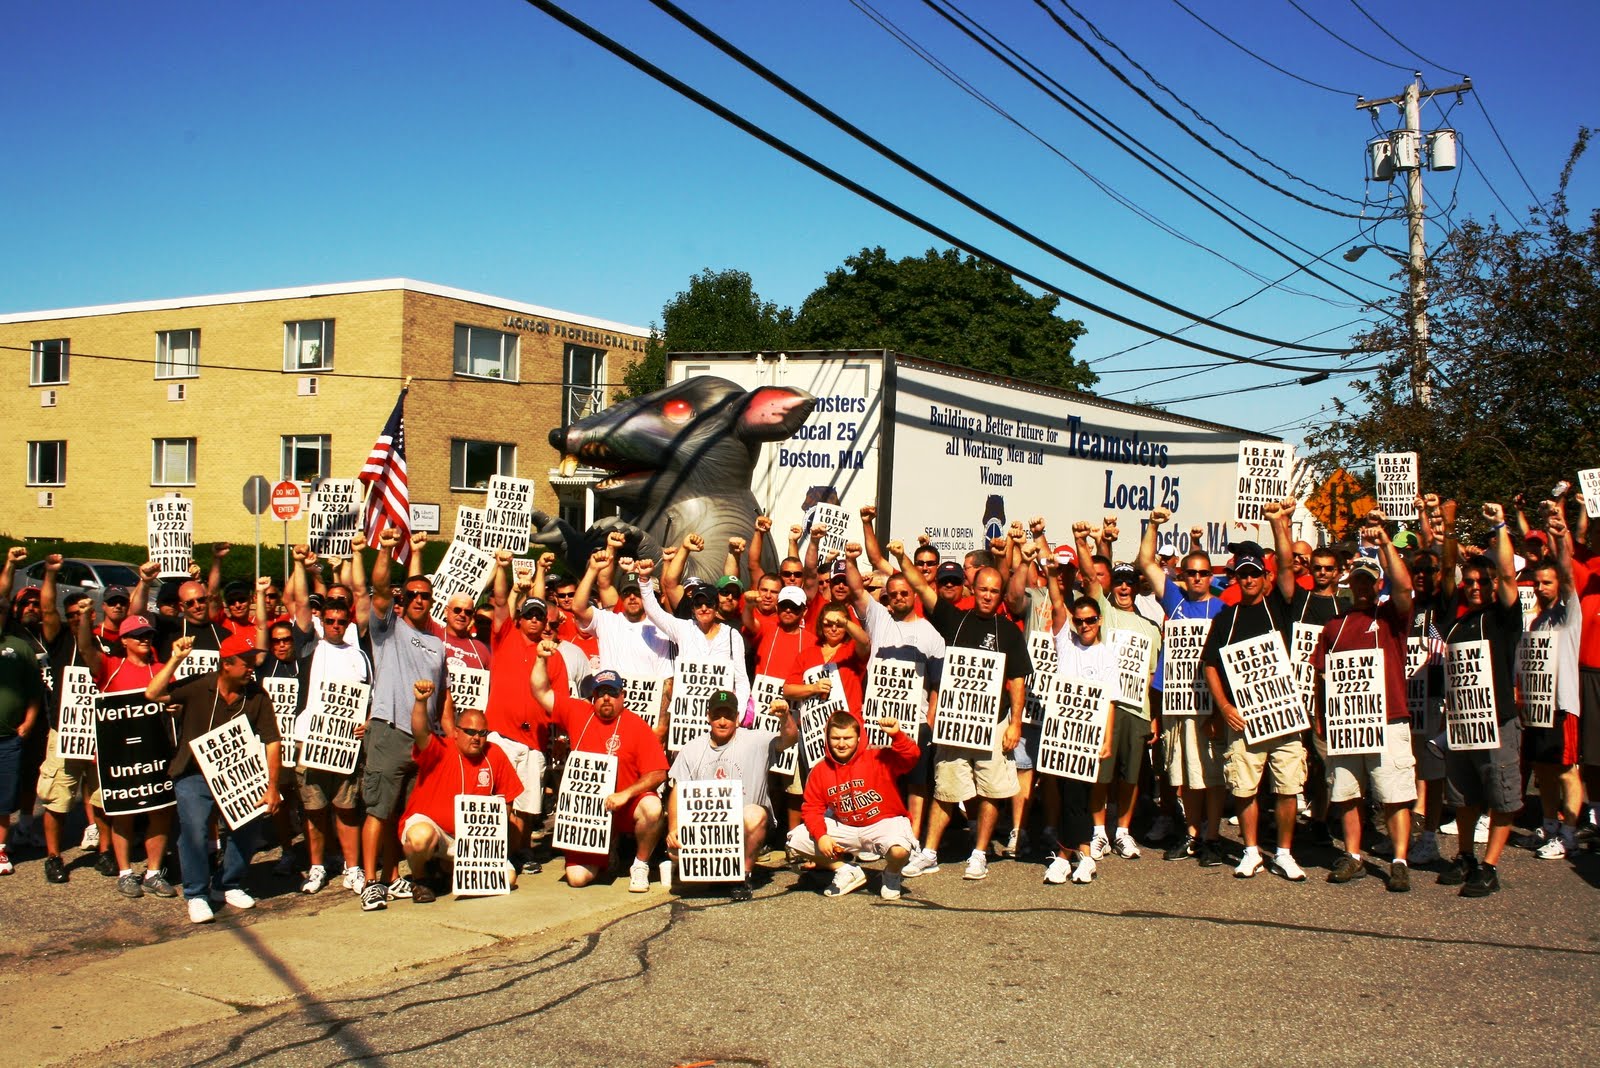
1154, 963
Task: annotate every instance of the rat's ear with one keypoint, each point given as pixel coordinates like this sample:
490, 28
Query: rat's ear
772, 413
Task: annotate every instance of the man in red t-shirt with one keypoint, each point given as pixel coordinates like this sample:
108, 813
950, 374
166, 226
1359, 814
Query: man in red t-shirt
428, 828
604, 726
1391, 773
520, 725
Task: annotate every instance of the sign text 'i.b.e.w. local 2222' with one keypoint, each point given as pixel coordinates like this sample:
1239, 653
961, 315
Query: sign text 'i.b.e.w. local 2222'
957, 456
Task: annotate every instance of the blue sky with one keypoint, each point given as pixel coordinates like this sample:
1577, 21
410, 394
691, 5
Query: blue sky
163, 149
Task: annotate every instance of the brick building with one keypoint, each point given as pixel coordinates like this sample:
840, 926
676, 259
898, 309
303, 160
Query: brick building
111, 405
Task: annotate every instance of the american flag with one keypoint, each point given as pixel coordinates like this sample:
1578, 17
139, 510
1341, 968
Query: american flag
388, 495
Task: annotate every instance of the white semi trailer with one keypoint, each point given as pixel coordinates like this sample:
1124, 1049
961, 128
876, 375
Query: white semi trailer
957, 454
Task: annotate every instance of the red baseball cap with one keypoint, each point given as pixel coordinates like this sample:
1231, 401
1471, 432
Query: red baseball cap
240, 644
134, 627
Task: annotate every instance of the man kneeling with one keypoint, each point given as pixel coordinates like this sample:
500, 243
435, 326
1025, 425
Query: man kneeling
852, 806
428, 830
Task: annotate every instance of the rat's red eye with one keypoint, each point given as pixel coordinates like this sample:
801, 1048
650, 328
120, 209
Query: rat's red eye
677, 411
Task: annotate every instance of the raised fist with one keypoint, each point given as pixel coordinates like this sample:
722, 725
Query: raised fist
546, 648
869, 512
1159, 516
795, 531
852, 549
358, 540
1036, 526
149, 571
736, 546
644, 569
1272, 510
764, 523
1080, 530
16, 554
694, 543
615, 540
263, 584
599, 559
389, 538
502, 558
221, 549
422, 689
896, 548
418, 540
546, 561
181, 647
1493, 512
52, 563
299, 552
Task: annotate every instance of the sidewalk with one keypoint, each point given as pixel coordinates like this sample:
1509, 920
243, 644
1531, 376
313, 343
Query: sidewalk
61, 1010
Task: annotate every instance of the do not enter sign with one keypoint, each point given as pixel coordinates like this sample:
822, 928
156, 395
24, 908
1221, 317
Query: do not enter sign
286, 500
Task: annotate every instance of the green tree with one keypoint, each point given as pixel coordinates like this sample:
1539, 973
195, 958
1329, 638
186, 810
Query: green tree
1514, 353
943, 306
719, 312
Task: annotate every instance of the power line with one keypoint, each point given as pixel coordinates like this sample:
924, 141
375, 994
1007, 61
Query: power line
1473, 163
908, 42
1057, 91
1384, 30
836, 120
639, 63
1245, 389
1345, 42
1201, 370
1148, 99
1509, 157
1260, 58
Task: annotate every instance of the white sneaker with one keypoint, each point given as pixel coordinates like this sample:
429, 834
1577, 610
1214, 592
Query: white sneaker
1099, 847
1554, 849
639, 877
867, 856
1126, 847
1056, 872
91, 837
400, 889
200, 910
890, 890
355, 880
1425, 850
977, 866
922, 862
1480, 833
1085, 870
1285, 865
1010, 848
664, 869
846, 879
1233, 821
1249, 864
238, 899
316, 879
1449, 828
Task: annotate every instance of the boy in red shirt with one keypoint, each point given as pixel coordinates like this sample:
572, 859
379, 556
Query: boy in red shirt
604, 726
858, 784
466, 764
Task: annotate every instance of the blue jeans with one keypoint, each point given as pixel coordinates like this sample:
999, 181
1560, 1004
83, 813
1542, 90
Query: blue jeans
10, 772
195, 805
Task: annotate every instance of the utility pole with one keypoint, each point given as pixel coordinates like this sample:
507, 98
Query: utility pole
1407, 154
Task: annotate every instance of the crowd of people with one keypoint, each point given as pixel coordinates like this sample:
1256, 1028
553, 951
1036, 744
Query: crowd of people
564, 654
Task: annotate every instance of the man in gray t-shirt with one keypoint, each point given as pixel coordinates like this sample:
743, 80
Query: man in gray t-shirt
729, 752
404, 651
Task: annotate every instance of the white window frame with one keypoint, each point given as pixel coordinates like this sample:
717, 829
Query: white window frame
510, 352
36, 375
160, 462
292, 443
505, 462
580, 400
165, 367
35, 450
295, 342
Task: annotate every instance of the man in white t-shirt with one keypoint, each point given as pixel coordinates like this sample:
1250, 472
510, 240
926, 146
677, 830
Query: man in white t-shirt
731, 752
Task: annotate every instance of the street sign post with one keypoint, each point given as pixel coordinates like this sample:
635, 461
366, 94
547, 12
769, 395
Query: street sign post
286, 503
257, 494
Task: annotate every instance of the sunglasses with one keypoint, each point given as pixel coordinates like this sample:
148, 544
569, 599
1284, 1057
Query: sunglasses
833, 623
116, 602
416, 595
1424, 571
1196, 573
1085, 621
1324, 567
1122, 582
473, 732
192, 600
951, 582
792, 574
326, 622
280, 641
565, 596
457, 610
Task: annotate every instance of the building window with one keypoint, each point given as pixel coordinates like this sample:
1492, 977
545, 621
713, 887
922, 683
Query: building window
178, 354
172, 462
585, 384
306, 457
485, 353
47, 463
308, 345
473, 463
49, 364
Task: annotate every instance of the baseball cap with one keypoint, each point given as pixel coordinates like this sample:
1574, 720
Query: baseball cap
240, 644
27, 593
1405, 540
531, 607
606, 680
792, 595
1168, 548
1124, 572
114, 593
950, 571
168, 594
1065, 556
838, 572
630, 581
236, 589
135, 627
726, 581
722, 701
1539, 536
1247, 558
314, 601
1366, 565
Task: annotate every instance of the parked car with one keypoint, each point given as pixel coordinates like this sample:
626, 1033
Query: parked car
79, 575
